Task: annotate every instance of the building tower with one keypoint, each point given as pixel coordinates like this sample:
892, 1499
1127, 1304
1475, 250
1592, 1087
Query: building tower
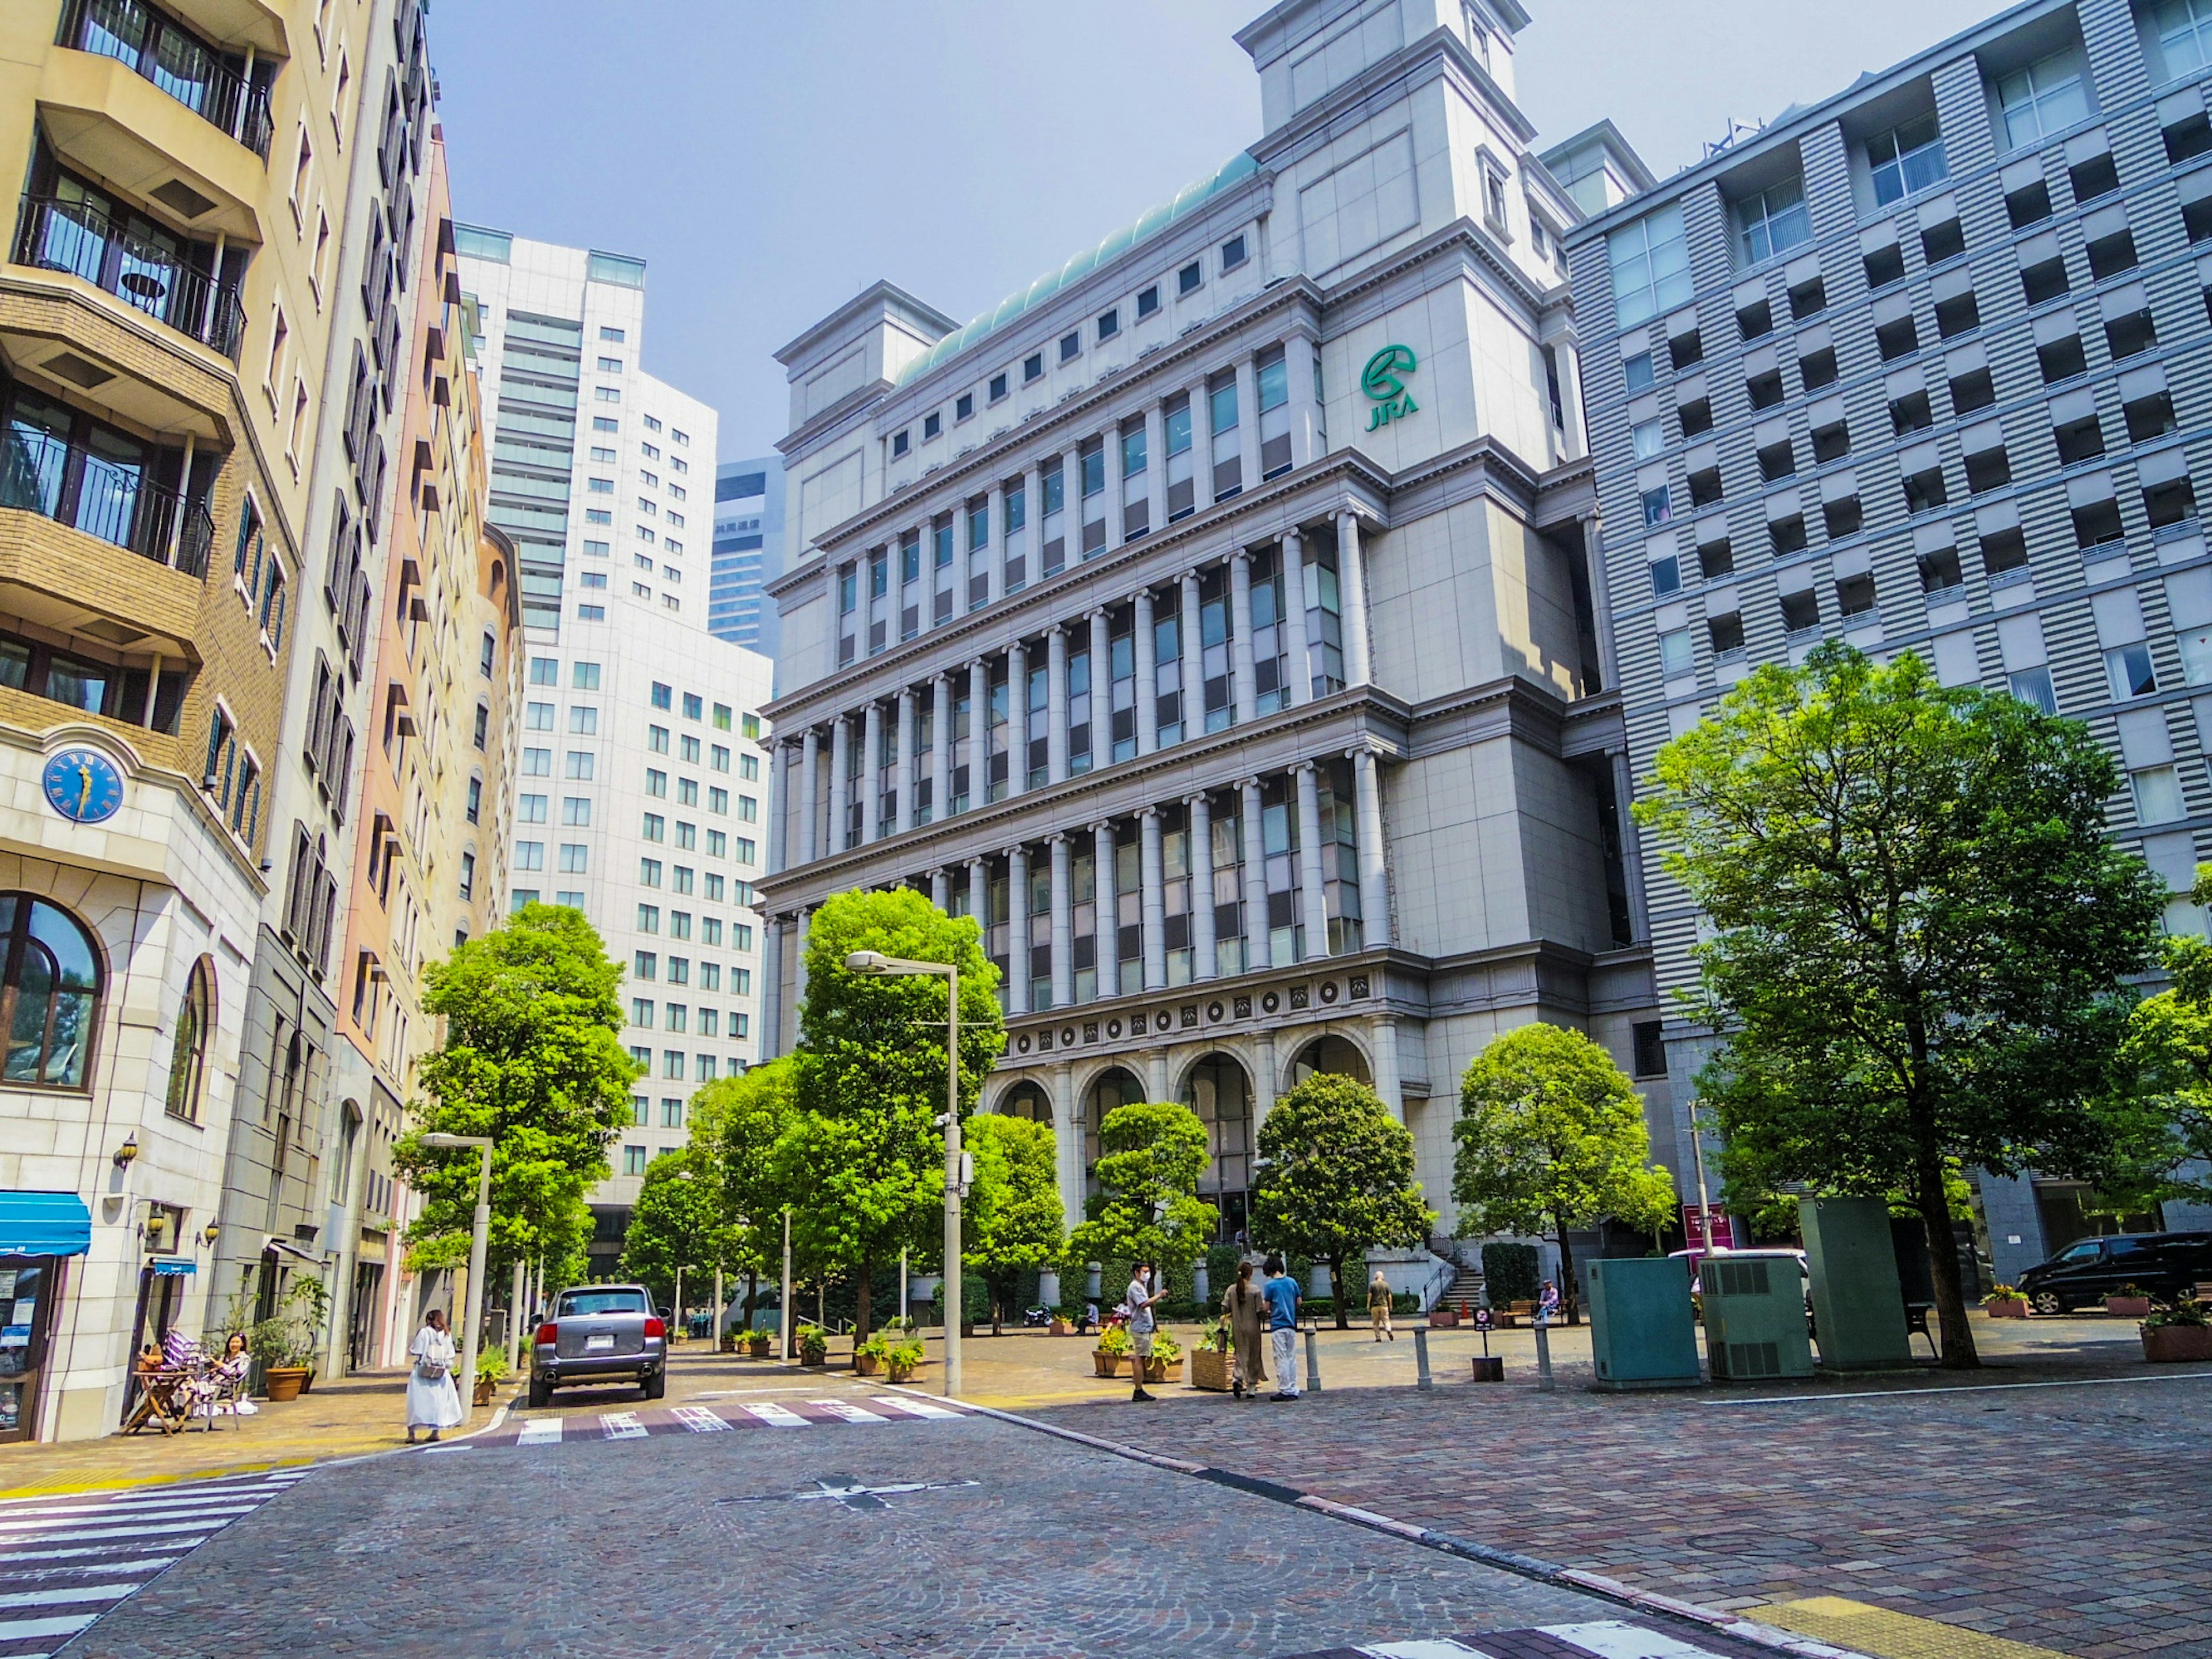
748, 552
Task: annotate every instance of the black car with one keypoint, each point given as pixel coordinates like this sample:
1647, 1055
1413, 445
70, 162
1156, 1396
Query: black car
2166, 1265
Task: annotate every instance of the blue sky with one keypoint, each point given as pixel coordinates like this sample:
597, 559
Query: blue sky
769, 160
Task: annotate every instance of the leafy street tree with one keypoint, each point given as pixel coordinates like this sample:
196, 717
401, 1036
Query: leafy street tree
865, 1150
1551, 1133
1012, 1219
1336, 1176
532, 1058
2165, 1107
679, 1225
1151, 1154
1921, 935
736, 1122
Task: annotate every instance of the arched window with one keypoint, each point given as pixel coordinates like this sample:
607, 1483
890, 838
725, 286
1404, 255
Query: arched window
49, 994
1025, 1099
188, 1048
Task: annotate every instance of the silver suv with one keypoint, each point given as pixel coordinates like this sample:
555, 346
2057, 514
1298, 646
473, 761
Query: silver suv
600, 1334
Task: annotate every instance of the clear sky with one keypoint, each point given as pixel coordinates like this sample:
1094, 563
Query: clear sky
769, 158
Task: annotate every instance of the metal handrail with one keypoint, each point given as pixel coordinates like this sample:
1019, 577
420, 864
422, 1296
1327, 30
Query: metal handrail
55, 233
174, 59
74, 485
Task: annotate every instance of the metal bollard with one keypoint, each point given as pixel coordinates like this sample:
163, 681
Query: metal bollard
1313, 1366
1544, 1357
1421, 1357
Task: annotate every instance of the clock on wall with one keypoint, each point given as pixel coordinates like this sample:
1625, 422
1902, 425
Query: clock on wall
84, 786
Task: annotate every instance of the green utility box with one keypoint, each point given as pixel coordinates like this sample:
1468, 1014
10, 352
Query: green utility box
1858, 1308
1754, 1308
1641, 1332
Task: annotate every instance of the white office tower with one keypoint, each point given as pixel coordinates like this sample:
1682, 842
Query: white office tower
640, 790
1212, 618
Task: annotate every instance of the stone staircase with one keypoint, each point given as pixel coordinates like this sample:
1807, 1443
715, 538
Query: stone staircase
1464, 1294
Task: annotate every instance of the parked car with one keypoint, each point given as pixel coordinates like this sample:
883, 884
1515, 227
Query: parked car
600, 1334
2165, 1264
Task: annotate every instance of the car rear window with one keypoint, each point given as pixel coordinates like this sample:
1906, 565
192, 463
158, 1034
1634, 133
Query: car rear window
582, 1304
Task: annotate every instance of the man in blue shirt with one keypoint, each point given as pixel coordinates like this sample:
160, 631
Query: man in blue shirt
1281, 1291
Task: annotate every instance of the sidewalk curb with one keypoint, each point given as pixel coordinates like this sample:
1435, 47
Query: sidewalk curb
1524, 1567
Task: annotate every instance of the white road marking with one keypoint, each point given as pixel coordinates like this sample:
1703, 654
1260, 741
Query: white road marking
621, 1425
1970, 1388
848, 1411
24, 1630
539, 1430
699, 1419
914, 1405
81, 1593
1424, 1650
81, 1535
12, 1557
1610, 1638
227, 1511
779, 1417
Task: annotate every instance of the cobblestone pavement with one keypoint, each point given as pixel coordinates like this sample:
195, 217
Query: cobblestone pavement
2075, 1515
972, 1537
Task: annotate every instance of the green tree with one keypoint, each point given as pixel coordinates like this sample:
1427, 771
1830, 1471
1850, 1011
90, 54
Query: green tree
678, 1224
532, 1059
1336, 1176
1551, 1133
1922, 936
1151, 1154
1012, 1219
736, 1122
865, 1151
2163, 1109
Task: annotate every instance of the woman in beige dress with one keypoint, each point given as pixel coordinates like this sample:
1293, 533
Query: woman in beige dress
1247, 1311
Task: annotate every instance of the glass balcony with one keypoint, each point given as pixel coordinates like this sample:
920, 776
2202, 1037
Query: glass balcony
101, 488
73, 235
205, 80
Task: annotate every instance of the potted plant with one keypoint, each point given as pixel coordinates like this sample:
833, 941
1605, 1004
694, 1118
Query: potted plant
2132, 1302
491, 1371
813, 1345
870, 1357
1442, 1318
903, 1359
1211, 1359
1165, 1365
2180, 1332
1113, 1349
757, 1344
730, 1340
283, 1351
1064, 1319
2005, 1301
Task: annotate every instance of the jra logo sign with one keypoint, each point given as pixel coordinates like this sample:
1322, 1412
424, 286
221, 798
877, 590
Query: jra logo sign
1382, 379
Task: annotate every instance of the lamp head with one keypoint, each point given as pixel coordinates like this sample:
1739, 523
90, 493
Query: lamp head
445, 1142
127, 1152
867, 961
210, 1233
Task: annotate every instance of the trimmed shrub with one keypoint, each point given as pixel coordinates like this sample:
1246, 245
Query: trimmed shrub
1509, 1274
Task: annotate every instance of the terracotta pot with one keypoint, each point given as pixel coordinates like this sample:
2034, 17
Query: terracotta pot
486, 1387
867, 1365
1108, 1364
2007, 1307
1442, 1319
1164, 1371
1489, 1368
902, 1372
2174, 1345
1211, 1371
729, 1345
1063, 1328
282, 1382
812, 1356
2128, 1307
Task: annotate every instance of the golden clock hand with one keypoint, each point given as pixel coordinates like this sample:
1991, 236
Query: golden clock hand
84, 793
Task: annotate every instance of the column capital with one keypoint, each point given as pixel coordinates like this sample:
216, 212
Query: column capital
1105, 825
1198, 798
1239, 552
1302, 766
1251, 781
1366, 746
1293, 535
1147, 813
978, 862
1057, 838
1059, 630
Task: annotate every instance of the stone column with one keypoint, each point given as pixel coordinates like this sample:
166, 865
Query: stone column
1244, 692
782, 756
1148, 676
1352, 589
771, 1017
1193, 662
1247, 423
1067, 1148
1156, 466
872, 750
979, 733
1266, 1078
1158, 1085
798, 967
1063, 923
994, 550
1631, 848
1204, 959
1258, 953
1300, 687
1110, 913
1305, 408
1055, 704
1033, 537
940, 889
810, 781
1383, 1036
902, 767
841, 793
1151, 875
1071, 493
1018, 930
979, 896
1315, 902
1101, 647
1374, 883
1017, 718
940, 748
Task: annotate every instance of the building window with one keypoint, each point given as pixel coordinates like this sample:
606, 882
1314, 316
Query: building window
1148, 301
664, 696
2184, 34
1232, 253
1070, 347
1109, 324
998, 385
1650, 1048
633, 1160
1651, 262
50, 994
1907, 158
2131, 672
1033, 367
1773, 221
900, 444
1189, 278
2045, 98
188, 1047
2158, 795
932, 424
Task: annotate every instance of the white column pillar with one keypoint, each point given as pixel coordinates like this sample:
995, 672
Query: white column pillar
1117, 483
1374, 882
1032, 526
871, 751
1248, 424
782, 755
1148, 676
1193, 662
979, 733
1063, 922
940, 889
979, 896
798, 970
1109, 944
902, 768
1158, 1086
810, 782
1351, 590
1257, 950
1056, 704
1305, 407
994, 549
1017, 718
1152, 876
1243, 693
940, 748
1068, 1145
1315, 903
1071, 502
1204, 956
1156, 465
1382, 1036
771, 1015
840, 794
1018, 930
1300, 688
1266, 1078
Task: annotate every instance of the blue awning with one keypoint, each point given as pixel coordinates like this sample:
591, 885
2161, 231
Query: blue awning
44, 1223
171, 1267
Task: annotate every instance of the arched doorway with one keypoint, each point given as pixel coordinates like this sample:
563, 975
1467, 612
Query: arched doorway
1116, 1086
1332, 1056
1029, 1100
1220, 1092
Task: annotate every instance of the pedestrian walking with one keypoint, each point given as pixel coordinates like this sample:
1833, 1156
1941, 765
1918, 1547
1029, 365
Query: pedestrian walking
1247, 1311
432, 1402
1281, 1291
1141, 1294
1378, 1307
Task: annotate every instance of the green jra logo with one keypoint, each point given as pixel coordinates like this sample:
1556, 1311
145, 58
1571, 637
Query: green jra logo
1382, 379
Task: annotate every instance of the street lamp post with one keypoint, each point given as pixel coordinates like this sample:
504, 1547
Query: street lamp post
479, 1242
875, 961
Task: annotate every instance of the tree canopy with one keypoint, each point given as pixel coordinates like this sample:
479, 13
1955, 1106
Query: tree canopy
1551, 1134
736, 1122
1336, 1176
679, 1224
1012, 1219
2166, 1099
1920, 936
1151, 1155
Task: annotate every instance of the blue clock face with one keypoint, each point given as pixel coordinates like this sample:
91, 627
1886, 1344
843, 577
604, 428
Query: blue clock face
84, 786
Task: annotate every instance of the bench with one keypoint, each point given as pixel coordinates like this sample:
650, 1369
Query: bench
1915, 1324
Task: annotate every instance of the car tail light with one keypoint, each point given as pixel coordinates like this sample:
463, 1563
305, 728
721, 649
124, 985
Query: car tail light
548, 1335
654, 1327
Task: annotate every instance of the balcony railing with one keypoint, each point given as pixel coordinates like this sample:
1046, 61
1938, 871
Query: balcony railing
58, 235
174, 59
104, 495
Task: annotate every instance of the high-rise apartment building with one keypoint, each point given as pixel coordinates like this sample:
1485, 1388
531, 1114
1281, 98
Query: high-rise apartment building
748, 552
1924, 366
1210, 620
640, 786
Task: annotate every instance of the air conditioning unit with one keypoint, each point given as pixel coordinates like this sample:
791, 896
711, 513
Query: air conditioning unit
1754, 1307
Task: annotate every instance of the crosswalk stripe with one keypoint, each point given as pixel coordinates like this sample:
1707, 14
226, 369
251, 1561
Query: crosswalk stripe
1611, 1639
53, 1597
621, 1425
699, 1421
539, 1430
81, 1535
910, 1403
848, 1411
1443, 1649
24, 1630
9, 1560
79, 1517
778, 1417
153, 1563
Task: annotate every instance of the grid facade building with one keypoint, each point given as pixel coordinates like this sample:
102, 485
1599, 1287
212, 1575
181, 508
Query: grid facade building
748, 552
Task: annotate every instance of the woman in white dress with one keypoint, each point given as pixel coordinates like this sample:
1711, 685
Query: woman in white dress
432, 1402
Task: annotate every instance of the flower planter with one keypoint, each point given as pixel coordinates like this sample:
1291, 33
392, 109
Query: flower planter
2128, 1307
867, 1365
1210, 1370
1489, 1368
487, 1387
813, 1356
1164, 1371
1442, 1319
2007, 1307
902, 1373
282, 1382
2174, 1345
729, 1345
1108, 1364
757, 1350
1063, 1328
